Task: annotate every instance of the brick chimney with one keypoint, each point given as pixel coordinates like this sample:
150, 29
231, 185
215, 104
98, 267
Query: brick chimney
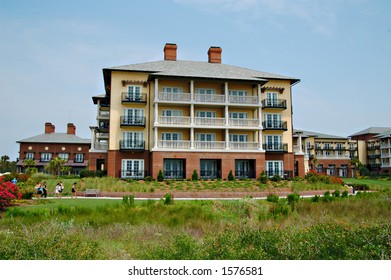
214, 55
71, 129
170, 51
49, 128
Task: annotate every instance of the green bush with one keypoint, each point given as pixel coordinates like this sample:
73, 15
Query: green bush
336, 193
231, 176
263, 177
293, 199
272, 198
160, 176
168, 199
194, 176
276, 178
345, 194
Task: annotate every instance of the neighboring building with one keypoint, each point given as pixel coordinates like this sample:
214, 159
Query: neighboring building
326, 154
45, 147
179, 116
373, 151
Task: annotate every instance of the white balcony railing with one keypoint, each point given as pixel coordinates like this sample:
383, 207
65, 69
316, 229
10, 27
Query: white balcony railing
101, 146
210, 121
209, 145
174, 120
244, 122
174, 97
244, 146
243, 99
178, 144
209, 98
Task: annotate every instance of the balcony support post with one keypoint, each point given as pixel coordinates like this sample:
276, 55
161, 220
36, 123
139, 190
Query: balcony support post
260, 140
226, 115
155, 137
227, 139
192, 138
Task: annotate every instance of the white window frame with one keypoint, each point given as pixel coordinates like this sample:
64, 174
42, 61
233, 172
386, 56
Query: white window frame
273, 120
206, 114
132, 139
46, 157
206, 137
274, 167
209, 91
64, 156
172, 113
134, 92
271, 98
238, 92
132, 168
29, 155
238, 115
172, 90
238, 138
79, 157
171, 136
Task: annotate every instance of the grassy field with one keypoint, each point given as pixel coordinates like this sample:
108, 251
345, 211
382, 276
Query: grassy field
355, 227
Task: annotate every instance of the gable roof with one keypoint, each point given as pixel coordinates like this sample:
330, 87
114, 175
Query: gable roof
306, 133
63, 138
197, 69
372, 130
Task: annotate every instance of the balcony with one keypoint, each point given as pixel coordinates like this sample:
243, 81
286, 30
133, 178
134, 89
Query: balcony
244, 146
210, 121
268, 125
246, 100
104, 127
175, 145
125, 145
374, 156
103, 115
132, 174
181, 121
209, 98
244, 123
174, 97
101, 146
277, 148
133, 98
274, 103
209, 145
132, 121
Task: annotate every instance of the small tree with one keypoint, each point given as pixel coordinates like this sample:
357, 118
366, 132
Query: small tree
194, 176
160, 176
56, 166
263, 177
231, 176
29, 165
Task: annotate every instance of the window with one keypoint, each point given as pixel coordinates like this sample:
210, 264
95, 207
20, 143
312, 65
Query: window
79, 158
133, 116
339, 146
238, 138
206, 137
172, 90
237, 92
273, 120
29, 155
174, 168
63, 156
274, 168
205, 91
172, 113
134, 93
205, 114
46, 157
271, 99
273, 142
327, 146
171, 136
133, 168
131, 139
238, 115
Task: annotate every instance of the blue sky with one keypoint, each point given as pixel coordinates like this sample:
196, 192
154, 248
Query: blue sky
52, 54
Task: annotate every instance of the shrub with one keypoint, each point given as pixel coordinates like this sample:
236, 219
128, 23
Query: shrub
345, 194
336, 193
194, 176
128, 200
327, 197
8, 192
231, 176
168, 199
263, 177
272, 198
148, 179
315, 198
276, 178
293, 199
160, 176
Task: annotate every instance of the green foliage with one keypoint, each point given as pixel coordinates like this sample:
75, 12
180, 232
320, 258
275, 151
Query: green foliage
128, 200
160, 176
336, 193
272, 198
194, 176
92, 173
168, 199
231, 176
263, 177
276, 178
293, 199
56, 166
345, 194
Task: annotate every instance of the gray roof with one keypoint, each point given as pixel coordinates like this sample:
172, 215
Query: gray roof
385, 134
56, 138
200, 69
372, 130
306, 133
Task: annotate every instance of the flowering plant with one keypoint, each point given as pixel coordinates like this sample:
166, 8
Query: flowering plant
8, 192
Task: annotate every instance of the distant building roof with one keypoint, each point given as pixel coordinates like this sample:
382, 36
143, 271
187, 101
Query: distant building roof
372, 130
306, 133
56, 138
385, 134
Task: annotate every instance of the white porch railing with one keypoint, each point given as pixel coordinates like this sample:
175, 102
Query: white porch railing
209, 121
209, 98
243, 99
209, 145
168, 144
244, 146
174, 120
243, 122
174, 97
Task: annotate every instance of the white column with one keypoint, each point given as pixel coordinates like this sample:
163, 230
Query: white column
191, 90
226, 115
156, 90
227, 139
192, 138
300, 152
259, 107
156, 111
226, 92
155, 137
260, 140
192, 122
93, 138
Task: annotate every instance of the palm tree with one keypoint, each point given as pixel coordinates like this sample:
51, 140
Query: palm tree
55, 166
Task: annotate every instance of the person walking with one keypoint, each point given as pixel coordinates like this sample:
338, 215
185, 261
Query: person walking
38, 189
44, 190
74, 190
